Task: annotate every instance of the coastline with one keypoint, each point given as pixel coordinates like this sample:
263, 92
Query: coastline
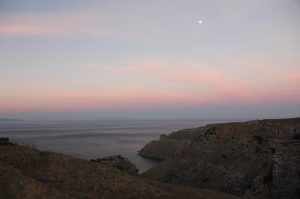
257, 159
195, 163
29, 173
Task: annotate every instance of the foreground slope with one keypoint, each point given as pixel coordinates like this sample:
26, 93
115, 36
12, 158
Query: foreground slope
257, 159
29, 173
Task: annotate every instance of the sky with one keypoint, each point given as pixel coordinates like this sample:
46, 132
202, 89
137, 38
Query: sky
138, 59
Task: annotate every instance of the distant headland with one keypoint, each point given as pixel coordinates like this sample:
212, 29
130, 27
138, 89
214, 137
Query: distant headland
10, 120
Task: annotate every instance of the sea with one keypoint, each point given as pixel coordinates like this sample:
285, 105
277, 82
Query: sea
95, 139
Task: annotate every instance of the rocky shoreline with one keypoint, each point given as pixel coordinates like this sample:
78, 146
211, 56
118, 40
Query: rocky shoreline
255, 159
247, 160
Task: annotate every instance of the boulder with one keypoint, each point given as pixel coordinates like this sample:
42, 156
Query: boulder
118, 162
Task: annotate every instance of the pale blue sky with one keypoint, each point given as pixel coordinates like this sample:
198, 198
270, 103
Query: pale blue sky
149, 59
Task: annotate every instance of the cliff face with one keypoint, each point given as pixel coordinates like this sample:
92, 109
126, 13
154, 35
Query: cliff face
258, 159
31, 174
167, 146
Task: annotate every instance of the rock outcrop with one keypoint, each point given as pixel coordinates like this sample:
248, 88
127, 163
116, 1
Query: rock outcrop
5, 141
118, 162
257, 159
168, 146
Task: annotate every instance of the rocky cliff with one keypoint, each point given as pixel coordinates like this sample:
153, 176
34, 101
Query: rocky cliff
255, 159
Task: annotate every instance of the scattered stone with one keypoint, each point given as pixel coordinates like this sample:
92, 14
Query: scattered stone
118, 162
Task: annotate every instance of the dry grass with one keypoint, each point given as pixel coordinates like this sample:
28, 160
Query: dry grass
28, 173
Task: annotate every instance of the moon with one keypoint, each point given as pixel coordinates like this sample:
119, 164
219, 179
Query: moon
200, 22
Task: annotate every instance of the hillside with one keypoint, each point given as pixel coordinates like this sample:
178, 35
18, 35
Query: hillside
257, 159
31, 174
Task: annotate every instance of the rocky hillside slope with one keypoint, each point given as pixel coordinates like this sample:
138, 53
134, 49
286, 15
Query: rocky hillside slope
256, 159
31, 174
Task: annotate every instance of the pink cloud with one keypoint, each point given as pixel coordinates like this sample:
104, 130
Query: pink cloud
89, 100
34, 30
295, 75
215, 85
136, 67
134, 98
57, 24
210, 84
140, 67
176, 83
177, 72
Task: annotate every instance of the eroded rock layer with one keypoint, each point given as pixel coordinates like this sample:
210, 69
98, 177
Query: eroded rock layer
257, 159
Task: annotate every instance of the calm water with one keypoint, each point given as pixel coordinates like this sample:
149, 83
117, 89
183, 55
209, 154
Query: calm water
92, 139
